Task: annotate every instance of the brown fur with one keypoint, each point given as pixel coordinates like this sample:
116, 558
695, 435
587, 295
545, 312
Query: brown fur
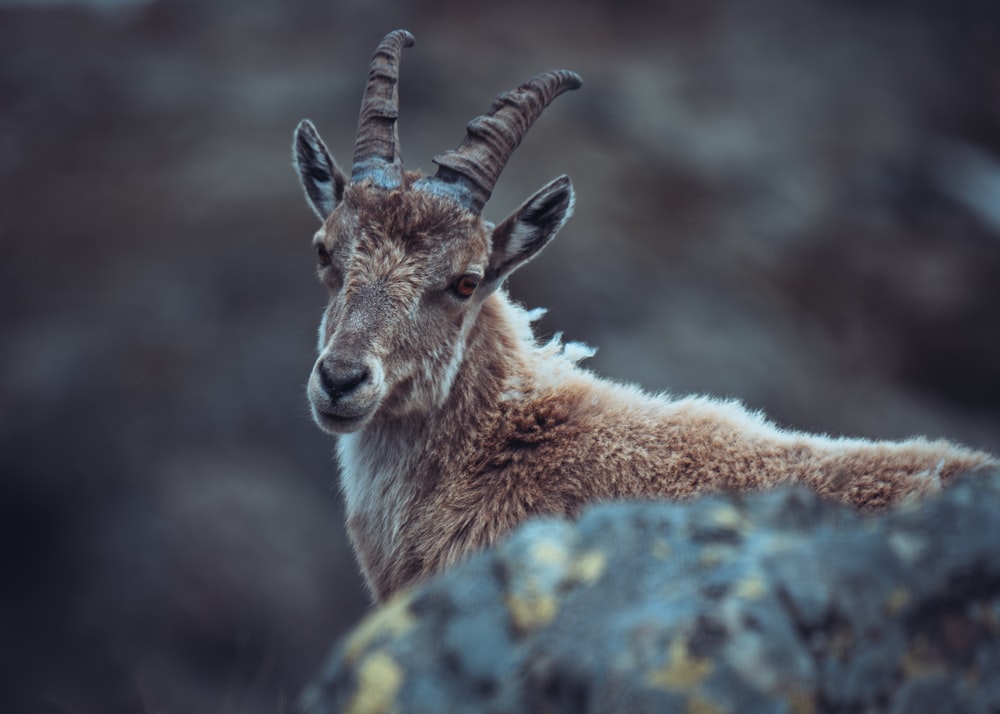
455, 425
483, 464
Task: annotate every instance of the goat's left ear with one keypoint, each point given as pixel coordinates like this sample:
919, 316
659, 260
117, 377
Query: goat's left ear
525, 232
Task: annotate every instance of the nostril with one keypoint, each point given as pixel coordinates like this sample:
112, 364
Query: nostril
354, 380
341, 378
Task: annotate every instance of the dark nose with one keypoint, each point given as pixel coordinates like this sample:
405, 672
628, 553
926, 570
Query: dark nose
340, 377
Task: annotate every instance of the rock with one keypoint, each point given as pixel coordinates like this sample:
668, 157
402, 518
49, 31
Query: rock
774, 602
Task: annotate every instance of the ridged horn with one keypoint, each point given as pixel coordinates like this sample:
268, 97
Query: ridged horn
376, 148
491, 138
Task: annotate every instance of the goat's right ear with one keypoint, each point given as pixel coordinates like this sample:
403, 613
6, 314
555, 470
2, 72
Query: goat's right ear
519, 238
319, 174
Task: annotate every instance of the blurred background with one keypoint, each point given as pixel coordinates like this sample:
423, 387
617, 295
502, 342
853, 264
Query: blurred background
795, 204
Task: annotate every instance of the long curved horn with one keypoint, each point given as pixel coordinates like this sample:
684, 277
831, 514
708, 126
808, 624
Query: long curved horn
491, 138
376, 148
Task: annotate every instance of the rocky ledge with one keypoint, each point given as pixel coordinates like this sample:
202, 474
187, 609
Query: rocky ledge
775, 602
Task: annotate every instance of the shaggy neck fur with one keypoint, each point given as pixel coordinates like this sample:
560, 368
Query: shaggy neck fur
391, 469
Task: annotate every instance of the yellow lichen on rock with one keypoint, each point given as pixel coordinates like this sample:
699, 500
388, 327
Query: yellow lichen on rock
549, 552
379, 679
529, 612
727, 517
391, 620
535, 583
715, 554
683, 672
588, 567
751, 588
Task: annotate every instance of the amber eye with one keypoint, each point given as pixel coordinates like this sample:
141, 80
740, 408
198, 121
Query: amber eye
466, 285
322, 256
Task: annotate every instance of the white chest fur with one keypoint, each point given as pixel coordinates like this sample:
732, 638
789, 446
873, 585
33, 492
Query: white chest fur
373, 477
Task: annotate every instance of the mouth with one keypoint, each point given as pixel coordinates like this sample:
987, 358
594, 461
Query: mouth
338, 423
341, 416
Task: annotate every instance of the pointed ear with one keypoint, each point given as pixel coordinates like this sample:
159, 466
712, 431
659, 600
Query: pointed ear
519, 238
322, 180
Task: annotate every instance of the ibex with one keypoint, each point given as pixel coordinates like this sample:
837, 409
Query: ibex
454, 423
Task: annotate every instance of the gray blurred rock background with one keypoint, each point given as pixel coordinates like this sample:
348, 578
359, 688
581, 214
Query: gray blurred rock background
796, 204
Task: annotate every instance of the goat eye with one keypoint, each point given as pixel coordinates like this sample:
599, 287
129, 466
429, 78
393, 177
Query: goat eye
466, 285
322, 256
